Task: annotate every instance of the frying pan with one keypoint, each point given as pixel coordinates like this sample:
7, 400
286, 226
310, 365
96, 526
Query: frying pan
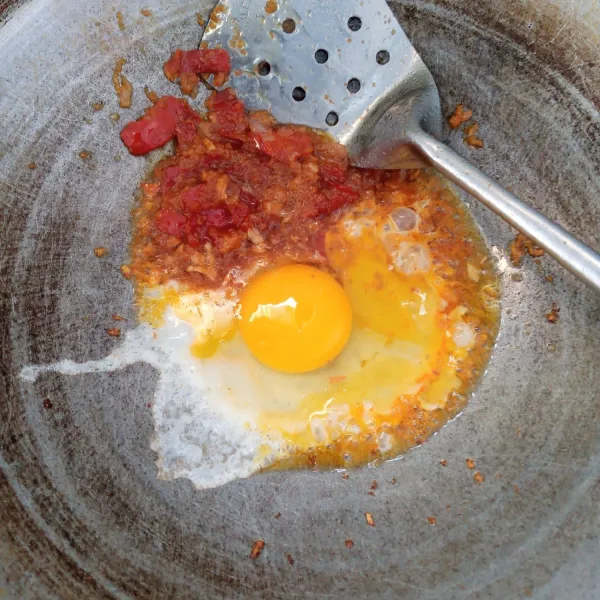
82, 513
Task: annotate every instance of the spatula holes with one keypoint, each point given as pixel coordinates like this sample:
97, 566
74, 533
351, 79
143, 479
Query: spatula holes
263, 68
298, 94
383, 57
353, 85
354, 23
332, 119
321, 56
289, 26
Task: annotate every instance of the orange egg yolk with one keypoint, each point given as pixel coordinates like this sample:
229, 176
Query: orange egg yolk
295, 318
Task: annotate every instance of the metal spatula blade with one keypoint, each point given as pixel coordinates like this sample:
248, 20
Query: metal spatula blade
349, 68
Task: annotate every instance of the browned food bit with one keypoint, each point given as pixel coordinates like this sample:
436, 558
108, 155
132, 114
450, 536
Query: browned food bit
345, 476
349, 544
100, 251
123, 87
270, 7
552, 316
120, 21
474, 141
98, 106
151, 95
471, 129
278, 515
369, 518
47, 403
374, 485
126, 271
114, 117
215, 18
118, 318
549, 278
290, 559
85, 155
31, 166
146, 12
200, 19
470, 463
257, 549
521, 245
114, 332
443, 462
479, 477
516, 489
459, 116
393, 480
432, 520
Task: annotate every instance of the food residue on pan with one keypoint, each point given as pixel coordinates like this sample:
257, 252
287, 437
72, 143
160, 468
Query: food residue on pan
470, 463
521, 246
120, 21
369, 519
257, 548
100, 251
123, 87
479, 477
118, 318
459, 116
432, 520
270, 6
85, 155
31, 166
150, 94
471, 137
145, 12
552, 316
349, 544
98, 105
301, 312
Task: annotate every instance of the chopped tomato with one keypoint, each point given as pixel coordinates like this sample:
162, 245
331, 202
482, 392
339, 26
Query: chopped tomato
329, 201
227, 114
284, 148
218, 217
170, 222
197, 61
169, 176
158, 125
196, 198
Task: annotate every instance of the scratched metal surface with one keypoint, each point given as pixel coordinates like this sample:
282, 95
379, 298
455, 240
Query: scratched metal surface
82, 513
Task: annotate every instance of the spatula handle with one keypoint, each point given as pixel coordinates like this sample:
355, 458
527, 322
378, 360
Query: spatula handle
582, 261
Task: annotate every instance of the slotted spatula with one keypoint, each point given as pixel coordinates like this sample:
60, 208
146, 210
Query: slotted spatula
348, 67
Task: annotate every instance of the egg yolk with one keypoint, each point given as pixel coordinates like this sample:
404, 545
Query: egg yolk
295, 318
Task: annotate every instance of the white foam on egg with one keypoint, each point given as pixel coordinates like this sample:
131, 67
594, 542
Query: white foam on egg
193, 437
